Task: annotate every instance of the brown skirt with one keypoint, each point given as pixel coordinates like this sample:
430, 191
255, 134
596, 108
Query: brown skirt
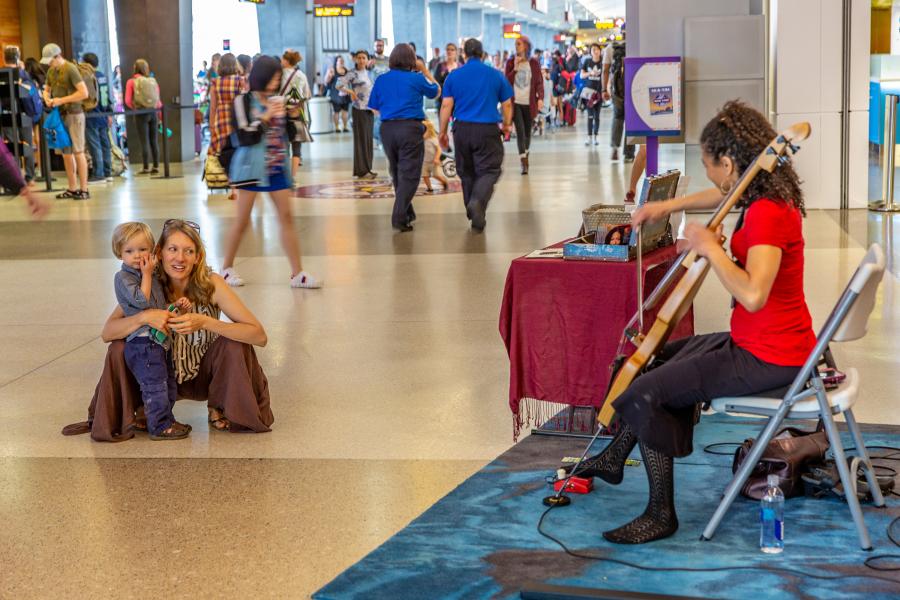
230, 379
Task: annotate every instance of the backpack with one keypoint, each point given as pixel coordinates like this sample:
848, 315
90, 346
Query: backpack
118, 161
618, 71
32, 105
146, 92
90, 80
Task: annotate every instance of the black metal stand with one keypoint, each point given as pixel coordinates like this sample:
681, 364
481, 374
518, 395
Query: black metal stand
165, 149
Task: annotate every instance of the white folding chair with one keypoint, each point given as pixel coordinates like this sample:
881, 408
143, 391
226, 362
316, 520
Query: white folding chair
807, 398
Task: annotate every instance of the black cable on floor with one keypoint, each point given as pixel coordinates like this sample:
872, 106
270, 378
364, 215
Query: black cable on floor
873, 562
767, 568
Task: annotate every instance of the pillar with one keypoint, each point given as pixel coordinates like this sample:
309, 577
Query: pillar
90, 31
492, 32
167, 45
409, 23
361, 26
471, 24
444, 26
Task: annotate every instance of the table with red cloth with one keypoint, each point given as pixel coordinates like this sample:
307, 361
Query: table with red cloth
562, 323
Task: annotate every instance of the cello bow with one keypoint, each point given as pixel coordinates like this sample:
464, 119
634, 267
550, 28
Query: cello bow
689, 271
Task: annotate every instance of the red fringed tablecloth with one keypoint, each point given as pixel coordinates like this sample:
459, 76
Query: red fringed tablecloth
562, 322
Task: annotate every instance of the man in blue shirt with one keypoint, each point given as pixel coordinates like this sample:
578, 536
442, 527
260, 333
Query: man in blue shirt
397, 96
471, 95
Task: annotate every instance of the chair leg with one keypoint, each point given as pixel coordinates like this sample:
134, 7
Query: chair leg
877, 497
840, 459
737, 482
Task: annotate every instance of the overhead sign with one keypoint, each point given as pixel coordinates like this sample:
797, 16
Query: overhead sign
512, 31
254, 1
334, 11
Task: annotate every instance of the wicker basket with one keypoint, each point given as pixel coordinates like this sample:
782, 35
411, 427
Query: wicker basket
605, 215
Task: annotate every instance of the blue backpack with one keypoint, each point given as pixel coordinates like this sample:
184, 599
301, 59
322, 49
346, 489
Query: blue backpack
55, 131
32, 105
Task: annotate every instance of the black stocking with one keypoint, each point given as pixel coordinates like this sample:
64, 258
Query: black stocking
659, 520
609, 464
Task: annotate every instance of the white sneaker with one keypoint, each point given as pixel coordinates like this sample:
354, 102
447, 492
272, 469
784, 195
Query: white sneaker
587, 142
596, 141
232, 278
305, 280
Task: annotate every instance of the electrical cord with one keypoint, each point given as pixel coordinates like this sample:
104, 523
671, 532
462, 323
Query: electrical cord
872, 562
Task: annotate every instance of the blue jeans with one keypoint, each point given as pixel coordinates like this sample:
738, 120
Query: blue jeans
98, 146
150, 365
376, 131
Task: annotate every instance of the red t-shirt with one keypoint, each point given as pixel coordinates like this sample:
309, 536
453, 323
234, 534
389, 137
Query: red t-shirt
781, 331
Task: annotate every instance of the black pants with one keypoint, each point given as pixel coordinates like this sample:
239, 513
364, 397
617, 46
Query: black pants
523, 122
147, 124
619, 126
593, 113
405, 150
26, 148
479, 158
363, 123
660, 405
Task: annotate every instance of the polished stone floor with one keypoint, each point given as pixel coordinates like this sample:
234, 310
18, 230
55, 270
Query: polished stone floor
388, 386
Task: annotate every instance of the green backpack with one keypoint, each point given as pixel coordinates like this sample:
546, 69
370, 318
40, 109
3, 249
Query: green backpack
90, 80
146, 92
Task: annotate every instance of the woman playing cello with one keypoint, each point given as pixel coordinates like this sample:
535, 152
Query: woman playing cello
771, 330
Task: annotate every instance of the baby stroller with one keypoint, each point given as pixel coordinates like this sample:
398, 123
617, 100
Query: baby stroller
448, 164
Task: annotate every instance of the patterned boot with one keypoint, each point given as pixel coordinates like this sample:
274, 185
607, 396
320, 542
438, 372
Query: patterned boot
659, 520
609, 464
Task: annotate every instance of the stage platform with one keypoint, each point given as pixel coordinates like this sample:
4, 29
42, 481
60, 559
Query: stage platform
481, 540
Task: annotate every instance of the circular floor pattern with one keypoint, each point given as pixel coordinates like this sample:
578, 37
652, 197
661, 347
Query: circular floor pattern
368, 188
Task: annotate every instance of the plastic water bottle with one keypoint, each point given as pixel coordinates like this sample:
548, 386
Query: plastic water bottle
771, 518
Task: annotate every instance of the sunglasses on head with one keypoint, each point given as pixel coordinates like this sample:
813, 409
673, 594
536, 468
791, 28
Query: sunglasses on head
190, 224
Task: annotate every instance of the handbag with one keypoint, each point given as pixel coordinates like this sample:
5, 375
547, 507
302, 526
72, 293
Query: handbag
787, 455
298, 131
214, 174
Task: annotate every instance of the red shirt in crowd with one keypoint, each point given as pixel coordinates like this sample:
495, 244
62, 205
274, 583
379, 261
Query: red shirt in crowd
781, 331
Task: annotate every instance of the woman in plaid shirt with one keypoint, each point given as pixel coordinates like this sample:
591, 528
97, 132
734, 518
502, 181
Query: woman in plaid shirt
222, 92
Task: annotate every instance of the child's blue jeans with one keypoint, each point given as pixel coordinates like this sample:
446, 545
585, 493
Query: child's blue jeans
150, 365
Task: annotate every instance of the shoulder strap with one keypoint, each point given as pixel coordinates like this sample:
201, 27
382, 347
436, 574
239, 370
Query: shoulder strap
288, 82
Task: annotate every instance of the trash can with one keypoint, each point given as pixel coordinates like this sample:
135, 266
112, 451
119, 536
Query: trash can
320, 115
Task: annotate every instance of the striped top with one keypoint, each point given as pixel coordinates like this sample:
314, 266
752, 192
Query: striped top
188, 350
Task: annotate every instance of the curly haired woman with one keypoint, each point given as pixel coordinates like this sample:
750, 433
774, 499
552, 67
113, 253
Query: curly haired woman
771, 329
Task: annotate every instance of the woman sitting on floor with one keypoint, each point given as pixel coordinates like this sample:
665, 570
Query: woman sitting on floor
214, 359
771, 329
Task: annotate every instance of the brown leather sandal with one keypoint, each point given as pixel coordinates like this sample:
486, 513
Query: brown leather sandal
218, 421
177, 431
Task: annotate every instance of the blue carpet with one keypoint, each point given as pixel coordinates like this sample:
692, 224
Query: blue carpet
480, 541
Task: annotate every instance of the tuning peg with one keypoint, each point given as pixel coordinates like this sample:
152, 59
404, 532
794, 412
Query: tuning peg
780, 139
783, 160
770, 150
794, 148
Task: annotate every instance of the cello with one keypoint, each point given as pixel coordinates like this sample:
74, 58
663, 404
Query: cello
687, 274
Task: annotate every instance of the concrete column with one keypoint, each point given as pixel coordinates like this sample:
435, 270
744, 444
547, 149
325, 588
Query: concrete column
444, 25
492, 31
362, 26
471, 24
161, 32
507, 44
90, 31
409, 23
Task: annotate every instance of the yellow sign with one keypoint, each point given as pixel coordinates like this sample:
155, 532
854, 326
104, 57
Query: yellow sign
604, 24
334, 11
